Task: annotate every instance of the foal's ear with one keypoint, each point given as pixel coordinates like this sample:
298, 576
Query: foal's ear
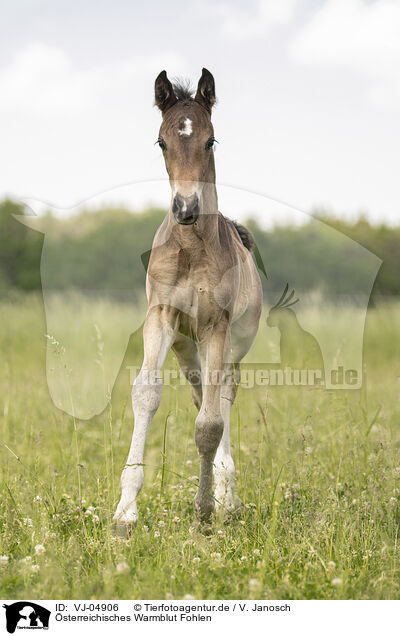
163, 92
206, 90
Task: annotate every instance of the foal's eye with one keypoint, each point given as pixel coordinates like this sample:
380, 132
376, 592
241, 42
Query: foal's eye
160, 141
210, 142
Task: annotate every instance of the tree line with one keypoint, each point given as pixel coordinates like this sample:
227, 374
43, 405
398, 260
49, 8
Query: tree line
107, 251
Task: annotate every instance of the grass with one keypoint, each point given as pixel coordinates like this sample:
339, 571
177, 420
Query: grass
318, 473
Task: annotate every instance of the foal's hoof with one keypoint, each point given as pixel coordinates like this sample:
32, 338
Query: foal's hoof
204, 509
235, 512
237, 505
123, 529
229, 506
206, 528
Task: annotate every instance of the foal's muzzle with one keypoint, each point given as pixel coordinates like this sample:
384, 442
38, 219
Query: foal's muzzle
186, 210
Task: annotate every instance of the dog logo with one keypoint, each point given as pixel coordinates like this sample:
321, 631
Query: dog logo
26, 615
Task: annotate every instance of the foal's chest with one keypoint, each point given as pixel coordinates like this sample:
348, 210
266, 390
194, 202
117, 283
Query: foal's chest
194, 284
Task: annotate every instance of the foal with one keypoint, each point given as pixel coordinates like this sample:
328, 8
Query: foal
204, 300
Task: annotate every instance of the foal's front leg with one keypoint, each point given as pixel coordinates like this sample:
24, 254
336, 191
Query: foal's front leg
209, 422
158, 335
224, 468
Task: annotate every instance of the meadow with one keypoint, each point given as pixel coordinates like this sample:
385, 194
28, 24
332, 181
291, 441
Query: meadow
318, 472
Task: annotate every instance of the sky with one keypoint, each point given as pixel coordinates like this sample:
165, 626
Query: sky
308, 110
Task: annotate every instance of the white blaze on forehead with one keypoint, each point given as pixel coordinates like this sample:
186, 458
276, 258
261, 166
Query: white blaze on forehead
187, 128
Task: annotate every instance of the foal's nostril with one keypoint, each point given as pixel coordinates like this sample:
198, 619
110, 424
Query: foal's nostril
186, 209
177, 204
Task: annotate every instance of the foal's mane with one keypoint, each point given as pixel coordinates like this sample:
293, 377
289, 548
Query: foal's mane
183, 89
244, 234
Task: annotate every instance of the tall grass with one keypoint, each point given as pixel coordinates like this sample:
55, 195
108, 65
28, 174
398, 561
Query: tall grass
318, 473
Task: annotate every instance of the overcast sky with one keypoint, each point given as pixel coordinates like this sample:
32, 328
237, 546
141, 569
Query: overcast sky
308, 99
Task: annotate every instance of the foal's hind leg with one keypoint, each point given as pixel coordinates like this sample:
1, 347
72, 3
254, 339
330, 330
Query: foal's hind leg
189, 361
224, 468
158, 335
242, 336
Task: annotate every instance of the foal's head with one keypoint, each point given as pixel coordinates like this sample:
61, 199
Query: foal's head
187, 138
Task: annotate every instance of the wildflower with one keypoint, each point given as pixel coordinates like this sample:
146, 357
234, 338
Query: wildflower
175, 520
253, 584
146, 528
393, 501
40, 549
95, 518
122, 567
27, 522
337, 581
161, 523
89, 510
173, 577
256, 552
189, 462
308, 450
354, 502
4, 559
156, 534
37, 499
188, 597
35, 567
291, 493
331, 564
26, 559
243, 558
196, 560
216, 556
